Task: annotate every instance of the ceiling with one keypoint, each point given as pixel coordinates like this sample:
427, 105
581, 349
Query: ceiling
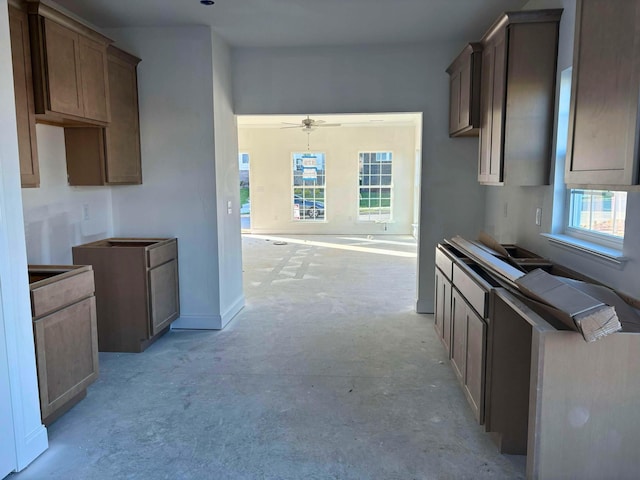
304, 23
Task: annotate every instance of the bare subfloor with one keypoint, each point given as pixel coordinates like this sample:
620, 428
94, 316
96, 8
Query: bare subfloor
327, 373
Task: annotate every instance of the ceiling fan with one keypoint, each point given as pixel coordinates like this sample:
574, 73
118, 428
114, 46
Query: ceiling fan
310, 124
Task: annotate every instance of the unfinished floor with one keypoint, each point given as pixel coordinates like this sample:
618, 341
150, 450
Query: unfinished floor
327, 373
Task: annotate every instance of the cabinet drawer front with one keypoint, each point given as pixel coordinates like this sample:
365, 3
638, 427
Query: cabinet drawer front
162, 254
54, 296
444, 263
471, 291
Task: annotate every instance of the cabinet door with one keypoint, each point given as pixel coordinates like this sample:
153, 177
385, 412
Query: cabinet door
63, 71
93, 71
23, 88
123, 133
67, 354
604, 99
438, 309
446, 317
486, 113
458, 334
164, 304
475, 363
454, 102
492, 110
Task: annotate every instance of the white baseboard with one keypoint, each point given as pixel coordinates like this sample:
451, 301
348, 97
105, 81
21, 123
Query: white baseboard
232, 311
198, 322
424, 307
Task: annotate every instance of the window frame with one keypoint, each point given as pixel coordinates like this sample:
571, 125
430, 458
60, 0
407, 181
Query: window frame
585, 234
303, 218
391, 186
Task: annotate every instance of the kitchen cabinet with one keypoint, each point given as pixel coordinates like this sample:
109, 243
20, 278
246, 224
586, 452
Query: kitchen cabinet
603, 119
464, 92
63, 307
23, 89
69, 69
111, 155
442, 309
137, 292
517, 96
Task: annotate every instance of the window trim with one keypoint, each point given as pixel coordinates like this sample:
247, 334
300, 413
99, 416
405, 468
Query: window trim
391, 187
292, 193
586, 235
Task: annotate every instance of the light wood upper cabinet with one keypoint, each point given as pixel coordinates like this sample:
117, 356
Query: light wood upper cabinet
517, 98
23, 88
69, 69
123, 163
464, 92
111, 155
603, 123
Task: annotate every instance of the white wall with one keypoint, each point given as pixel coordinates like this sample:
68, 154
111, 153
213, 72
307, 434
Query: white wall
54, 216
227, 188
22, 437
403, 78
271, 152
519, 226
181, 169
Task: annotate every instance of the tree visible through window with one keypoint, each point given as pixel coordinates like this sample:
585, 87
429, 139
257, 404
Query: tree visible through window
309, 175
376, 186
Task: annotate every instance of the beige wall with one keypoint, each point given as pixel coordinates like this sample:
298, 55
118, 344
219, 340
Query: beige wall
271, 150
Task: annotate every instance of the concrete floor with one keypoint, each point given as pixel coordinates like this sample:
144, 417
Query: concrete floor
327, 373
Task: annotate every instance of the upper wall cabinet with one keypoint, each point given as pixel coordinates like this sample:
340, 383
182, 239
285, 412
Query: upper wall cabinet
69, 69
517, 98
111, 155
23, 88
464, 92
603, 123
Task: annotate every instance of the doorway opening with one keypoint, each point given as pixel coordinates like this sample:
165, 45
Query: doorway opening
343, 181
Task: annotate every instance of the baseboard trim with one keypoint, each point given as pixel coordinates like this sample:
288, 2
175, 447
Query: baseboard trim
232, 311
197, 322
424, 307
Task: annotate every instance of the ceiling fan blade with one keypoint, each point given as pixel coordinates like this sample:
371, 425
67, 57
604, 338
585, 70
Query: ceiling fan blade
330, 125
289, 123
292, 126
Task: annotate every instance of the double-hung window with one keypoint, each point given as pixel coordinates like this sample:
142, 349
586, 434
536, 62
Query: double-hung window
375, 186
309, 184
597, 215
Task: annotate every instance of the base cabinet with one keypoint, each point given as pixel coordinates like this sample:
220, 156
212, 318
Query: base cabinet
137, 292
468, 352
65, 333
442, 310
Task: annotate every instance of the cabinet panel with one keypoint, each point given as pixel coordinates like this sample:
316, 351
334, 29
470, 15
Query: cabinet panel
486, 112
464, 92
23, 89
123, 133
438, 307
458, 334
85, 153
475, 363
497, 110
163, 295
93, 69
604, 99
63, 69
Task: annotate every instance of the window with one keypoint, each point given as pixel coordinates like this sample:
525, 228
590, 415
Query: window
309, 175
597, 212
376, 186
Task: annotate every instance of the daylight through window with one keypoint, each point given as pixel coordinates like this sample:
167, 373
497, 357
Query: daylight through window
376, 186
598, 211
309, 175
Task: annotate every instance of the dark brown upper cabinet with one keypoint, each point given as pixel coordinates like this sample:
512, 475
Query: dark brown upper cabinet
517, 98
464, 92
23, 88
69, 69
603, 121
111, 155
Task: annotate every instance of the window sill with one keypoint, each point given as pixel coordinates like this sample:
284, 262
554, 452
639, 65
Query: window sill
609, 255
